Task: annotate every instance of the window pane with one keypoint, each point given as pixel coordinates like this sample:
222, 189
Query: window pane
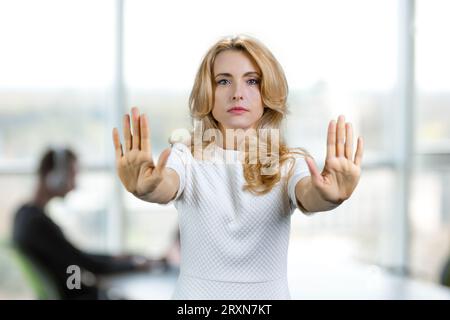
433, 76
56, 77
430, 208
55, 89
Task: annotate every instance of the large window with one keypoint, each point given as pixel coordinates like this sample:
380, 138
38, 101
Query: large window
64, 69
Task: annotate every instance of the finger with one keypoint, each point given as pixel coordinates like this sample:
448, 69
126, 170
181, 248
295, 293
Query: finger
331, 140
349, 141
164, 156
117, 144
127, 132
145, 134
340, 136
359, 152
136, 128
315, 174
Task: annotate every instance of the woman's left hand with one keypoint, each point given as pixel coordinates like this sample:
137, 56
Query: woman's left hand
341, 173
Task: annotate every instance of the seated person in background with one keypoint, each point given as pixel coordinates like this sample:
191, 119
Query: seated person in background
44, 243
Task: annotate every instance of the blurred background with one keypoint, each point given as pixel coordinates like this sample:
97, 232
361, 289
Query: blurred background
69, 70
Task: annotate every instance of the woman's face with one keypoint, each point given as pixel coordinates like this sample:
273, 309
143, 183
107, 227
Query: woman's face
237, 97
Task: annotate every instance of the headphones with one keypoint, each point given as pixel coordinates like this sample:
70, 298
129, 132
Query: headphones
57, 178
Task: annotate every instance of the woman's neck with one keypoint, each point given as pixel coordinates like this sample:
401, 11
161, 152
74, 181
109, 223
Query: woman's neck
233, 138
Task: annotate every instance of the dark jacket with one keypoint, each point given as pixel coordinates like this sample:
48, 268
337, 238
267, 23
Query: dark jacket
44, 243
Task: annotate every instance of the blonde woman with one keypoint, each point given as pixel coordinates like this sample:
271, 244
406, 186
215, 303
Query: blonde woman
234, 215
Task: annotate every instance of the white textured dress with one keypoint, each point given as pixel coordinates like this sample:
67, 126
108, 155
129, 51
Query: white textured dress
233, 243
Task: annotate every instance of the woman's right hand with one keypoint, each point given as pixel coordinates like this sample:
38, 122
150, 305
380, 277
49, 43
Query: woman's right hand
134, 163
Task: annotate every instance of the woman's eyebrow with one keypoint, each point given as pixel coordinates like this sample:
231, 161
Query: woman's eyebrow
229, 74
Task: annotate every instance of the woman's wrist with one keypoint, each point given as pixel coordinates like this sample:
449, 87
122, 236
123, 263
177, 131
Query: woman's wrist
312, 200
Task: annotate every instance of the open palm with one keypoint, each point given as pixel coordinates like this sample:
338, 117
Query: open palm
134, 161
341, 172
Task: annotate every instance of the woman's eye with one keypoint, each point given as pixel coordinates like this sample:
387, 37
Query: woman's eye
253, 81
221, 81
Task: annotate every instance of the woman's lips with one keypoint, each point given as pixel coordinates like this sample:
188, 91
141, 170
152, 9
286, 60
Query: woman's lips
237, 110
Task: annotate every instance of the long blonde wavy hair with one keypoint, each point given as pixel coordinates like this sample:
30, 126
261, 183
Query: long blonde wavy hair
274, 92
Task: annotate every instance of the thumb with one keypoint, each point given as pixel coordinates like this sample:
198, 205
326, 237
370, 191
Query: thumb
315, 174
162, 160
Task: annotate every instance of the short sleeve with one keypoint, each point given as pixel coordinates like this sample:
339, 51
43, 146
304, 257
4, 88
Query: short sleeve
301, 171
177, 161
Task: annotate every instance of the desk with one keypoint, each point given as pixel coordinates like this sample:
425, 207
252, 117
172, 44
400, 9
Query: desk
315, 271
156, 285
348, 281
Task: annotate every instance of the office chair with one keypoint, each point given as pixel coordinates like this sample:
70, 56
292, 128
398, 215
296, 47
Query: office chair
39, 281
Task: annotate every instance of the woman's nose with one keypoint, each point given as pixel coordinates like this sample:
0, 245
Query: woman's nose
237, 94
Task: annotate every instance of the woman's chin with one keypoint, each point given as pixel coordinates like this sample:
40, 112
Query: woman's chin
239, 125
